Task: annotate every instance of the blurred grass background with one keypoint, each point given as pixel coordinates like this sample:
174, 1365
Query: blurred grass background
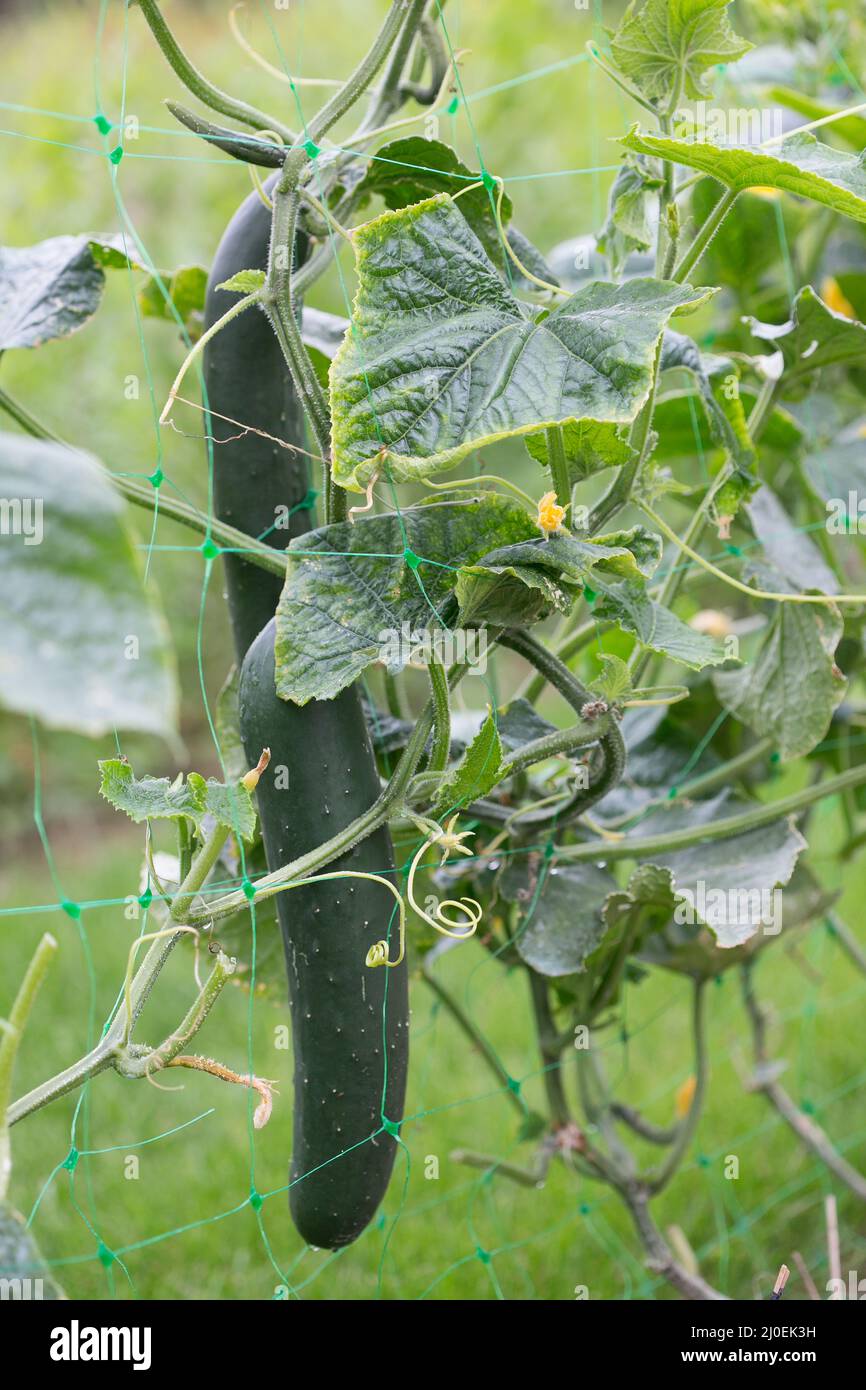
69, 60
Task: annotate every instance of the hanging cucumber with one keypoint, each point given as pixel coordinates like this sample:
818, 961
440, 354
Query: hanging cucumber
349, 1021
350, 1024
247, 381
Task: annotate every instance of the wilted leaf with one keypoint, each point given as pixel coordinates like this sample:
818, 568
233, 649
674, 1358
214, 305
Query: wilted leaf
692, 949
627, 603
788, 548
714, 377
728, 883
628, 227
48, 290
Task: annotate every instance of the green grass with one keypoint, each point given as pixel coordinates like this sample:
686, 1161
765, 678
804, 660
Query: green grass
163, 1216
168, 1219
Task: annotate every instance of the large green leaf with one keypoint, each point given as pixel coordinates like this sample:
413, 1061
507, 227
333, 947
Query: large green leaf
476, 773
409, 170
814, 337
347, 585
667, 46
85, 645
792, 685
627, 603
561, 923
48, 290
155, 798
509, 595
799, 165
442, 358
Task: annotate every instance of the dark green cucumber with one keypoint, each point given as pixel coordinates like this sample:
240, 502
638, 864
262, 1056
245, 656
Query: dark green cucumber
350, 1024
349, 1021
247, 380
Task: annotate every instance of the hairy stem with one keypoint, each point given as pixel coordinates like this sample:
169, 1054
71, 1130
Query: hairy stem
704, 236
441, 717
199, 85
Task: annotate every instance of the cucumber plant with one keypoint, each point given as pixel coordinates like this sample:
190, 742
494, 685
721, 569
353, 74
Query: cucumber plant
657, 576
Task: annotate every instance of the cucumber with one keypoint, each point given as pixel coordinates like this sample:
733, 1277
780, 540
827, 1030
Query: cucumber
247, 380
350, 1023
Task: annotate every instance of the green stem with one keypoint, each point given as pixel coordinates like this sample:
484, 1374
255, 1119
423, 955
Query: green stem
704, 236
358, 81
558, 465
811, 1135
721, 829
199, 85
277, 301
12, 1033
390, 96
441, 717
560, 744
654, 1134
848, 941
28, 422
199, 870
